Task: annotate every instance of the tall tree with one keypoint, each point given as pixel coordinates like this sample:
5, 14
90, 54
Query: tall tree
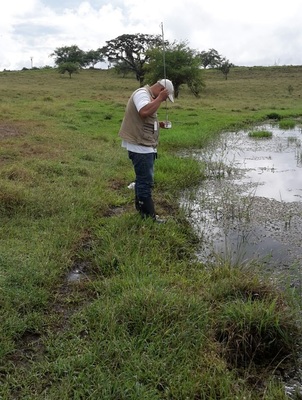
69, 54
225, 67
210, 58
131, 51
92, 57
179, 63
69, 67
121, 68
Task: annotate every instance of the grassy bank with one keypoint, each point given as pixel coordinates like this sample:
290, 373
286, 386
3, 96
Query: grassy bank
146, 320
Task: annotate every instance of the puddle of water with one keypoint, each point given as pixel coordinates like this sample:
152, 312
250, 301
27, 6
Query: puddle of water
75, 276
250, 207
273, 164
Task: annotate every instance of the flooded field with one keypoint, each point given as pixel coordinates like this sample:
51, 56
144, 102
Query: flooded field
250, 207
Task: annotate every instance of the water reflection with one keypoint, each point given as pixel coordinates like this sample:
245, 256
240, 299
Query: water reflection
250, 207
274, 164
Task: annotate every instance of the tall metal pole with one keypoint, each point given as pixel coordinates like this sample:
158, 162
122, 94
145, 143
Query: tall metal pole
164, 50
164, 63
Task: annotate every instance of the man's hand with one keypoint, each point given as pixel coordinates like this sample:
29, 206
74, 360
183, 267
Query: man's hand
163, 94
152, 107
165, 124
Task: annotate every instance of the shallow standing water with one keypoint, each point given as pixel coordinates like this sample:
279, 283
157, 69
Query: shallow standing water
250, 207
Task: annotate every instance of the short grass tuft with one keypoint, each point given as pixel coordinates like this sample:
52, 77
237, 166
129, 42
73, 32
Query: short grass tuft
260, 134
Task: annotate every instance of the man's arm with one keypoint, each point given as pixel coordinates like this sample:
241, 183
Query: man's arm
150, 108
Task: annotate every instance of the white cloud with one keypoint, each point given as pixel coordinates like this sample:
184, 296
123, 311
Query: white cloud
254, 33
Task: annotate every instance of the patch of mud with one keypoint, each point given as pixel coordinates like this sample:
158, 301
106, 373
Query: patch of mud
7, 130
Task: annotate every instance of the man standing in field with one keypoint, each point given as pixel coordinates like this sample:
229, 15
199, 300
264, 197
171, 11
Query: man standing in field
140, 132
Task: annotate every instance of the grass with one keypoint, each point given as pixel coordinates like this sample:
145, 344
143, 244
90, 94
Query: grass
287, 124
260, 134
146, 320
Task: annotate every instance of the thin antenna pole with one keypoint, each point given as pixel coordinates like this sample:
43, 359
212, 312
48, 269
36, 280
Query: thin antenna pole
164, 50
164, 62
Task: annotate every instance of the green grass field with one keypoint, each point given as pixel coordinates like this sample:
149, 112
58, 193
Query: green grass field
147, 320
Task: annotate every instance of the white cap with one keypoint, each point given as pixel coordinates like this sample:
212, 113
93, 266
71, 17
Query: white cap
169, 86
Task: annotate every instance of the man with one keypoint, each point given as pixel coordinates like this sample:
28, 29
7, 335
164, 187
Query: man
140, 131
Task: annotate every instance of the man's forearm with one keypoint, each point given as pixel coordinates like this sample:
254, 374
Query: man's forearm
150, 108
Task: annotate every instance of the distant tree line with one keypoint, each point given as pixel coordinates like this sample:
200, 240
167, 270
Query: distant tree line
148, 57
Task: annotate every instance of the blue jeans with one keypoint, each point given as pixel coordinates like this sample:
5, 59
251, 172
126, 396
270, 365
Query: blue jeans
144, 173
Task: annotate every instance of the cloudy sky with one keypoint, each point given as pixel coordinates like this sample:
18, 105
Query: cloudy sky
249, 33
